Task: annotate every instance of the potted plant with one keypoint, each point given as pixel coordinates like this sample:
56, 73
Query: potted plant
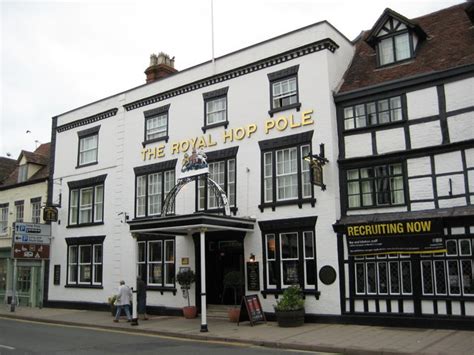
111, 301
185, 278
234, 281
289, 310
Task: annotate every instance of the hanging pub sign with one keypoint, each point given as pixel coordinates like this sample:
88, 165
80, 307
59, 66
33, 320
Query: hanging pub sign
50, 214
411, 237
317, 174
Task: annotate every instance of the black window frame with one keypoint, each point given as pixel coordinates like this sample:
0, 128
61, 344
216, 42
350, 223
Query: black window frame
298, 226
94, 131
143, 266
163, 167
392, 33
367, 116
85, 184
150, 114
78, 242
214, 157
278, 76
373, 192
274, 145
211, 96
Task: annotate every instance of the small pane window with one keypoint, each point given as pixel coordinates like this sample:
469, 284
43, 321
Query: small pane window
157, 126
284, 92
88, 149
216, 110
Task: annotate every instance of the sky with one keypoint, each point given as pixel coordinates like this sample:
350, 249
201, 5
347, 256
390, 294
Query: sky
58, 55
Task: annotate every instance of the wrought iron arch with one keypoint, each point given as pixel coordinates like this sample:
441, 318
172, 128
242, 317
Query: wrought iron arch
169, 204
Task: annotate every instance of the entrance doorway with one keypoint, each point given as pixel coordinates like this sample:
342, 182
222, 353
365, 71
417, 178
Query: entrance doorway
224, 254
28, 285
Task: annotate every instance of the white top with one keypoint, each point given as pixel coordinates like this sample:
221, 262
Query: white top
124, 295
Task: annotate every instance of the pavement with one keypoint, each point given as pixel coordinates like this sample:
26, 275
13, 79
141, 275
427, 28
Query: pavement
317, 337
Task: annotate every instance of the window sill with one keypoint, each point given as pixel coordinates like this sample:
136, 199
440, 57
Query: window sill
86, 165
300, 203
84, 286
278, 292
84, 225
214, 125
160, 139
284, 108
162, 290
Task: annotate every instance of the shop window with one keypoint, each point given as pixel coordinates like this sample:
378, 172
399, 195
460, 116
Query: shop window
156, 262
86, 201
290, 254
373, 113
376, 186
88, 147
284, 90
450, 273
285, 175
85, 261
156, 124
215, 109
4, 218
153, 183
36, 210
378, 276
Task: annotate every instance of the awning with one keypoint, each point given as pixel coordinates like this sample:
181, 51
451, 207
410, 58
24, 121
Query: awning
187, 224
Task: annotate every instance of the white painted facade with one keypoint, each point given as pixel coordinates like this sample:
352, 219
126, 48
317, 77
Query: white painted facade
120, 138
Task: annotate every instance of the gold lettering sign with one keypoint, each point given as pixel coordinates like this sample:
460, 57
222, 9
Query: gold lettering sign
280, 123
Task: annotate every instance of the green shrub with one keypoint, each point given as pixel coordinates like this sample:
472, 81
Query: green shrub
292, 300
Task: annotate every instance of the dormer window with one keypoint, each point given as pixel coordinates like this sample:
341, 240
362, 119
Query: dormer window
394, 38
394, 45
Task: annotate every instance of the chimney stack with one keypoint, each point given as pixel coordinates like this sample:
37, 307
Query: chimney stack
161, 65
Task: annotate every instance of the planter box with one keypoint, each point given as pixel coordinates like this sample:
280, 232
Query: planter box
290, 318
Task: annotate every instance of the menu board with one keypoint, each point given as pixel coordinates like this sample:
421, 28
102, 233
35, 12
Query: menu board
253, 276
251, 310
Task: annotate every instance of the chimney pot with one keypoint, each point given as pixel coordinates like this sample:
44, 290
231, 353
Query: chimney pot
161, 66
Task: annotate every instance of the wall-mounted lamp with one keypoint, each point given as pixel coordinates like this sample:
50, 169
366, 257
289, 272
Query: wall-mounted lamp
252, 258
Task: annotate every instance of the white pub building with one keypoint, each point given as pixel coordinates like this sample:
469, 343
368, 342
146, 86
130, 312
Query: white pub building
256, 114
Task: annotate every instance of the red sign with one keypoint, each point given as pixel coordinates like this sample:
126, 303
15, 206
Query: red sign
30, 251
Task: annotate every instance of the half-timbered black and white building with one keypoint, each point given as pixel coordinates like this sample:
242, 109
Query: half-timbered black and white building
406, 163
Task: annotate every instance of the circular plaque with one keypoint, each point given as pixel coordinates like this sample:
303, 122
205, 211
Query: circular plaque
327, 275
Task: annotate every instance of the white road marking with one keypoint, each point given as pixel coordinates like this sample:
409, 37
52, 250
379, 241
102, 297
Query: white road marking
7, 347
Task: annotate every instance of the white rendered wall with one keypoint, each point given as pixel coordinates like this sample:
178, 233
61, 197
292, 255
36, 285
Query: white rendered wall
429, 98
120, 146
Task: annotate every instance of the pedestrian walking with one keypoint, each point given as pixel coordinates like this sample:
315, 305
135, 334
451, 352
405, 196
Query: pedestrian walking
124, 297
141, 299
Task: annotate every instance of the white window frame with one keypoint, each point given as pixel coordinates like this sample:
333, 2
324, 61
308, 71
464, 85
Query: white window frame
283, 174
20, 212
76, 205
289, 259
151, 263
159, 128
168, 260
73, 261
268, 176
307, 258
3, 220
292, 94
267, 238
83, 152
36, 212
97, 263
81, 265
219, 114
